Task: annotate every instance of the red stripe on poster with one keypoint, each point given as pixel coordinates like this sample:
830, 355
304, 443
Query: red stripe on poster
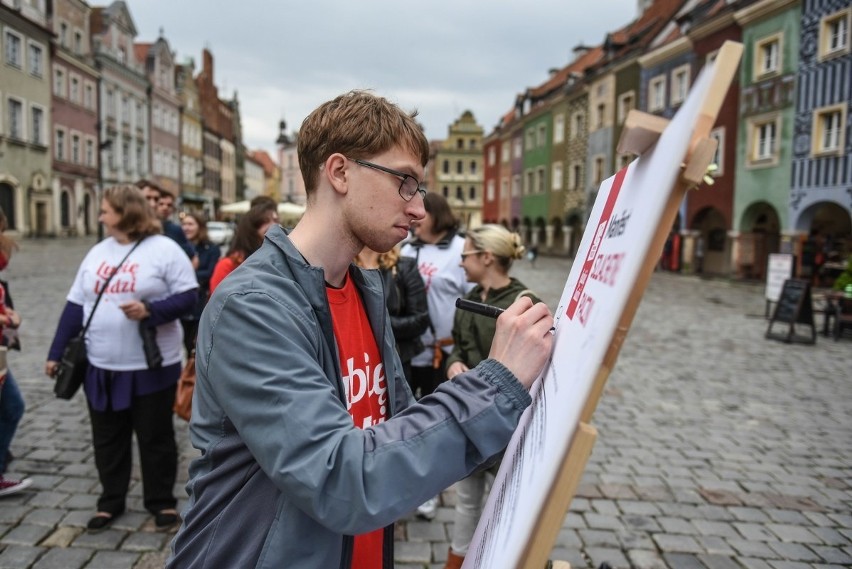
606, 214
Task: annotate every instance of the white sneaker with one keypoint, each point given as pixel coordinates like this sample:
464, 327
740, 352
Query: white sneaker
427, 509
8, 486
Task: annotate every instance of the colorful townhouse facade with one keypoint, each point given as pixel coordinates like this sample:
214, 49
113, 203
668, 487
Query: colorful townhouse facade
457, 169
158, 63
770, 31
26, 195
123, 94
193, 195
821, 177
75, 158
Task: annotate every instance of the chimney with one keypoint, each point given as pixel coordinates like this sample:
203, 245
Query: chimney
207, 64
580, 50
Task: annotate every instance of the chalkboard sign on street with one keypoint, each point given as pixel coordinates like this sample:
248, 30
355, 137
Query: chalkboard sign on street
794, 306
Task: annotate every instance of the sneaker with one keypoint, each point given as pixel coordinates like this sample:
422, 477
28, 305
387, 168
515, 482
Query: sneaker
8, 486
427, 509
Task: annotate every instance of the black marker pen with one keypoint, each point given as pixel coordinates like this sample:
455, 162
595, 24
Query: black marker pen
479, 308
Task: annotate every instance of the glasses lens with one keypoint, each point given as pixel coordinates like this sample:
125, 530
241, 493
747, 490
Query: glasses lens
409, 188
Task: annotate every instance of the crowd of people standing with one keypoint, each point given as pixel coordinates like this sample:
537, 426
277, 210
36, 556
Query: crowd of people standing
139, 298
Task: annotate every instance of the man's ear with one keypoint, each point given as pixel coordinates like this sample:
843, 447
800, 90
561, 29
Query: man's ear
335, 171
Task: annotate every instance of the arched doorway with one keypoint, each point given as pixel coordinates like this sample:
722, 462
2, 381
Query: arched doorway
558, 246
761, 235
574, 221
7, 204
711, 248
87, 213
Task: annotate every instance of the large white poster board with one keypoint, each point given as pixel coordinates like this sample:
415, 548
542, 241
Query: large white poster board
614, 249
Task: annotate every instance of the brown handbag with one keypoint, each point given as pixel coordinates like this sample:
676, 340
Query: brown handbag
185, 388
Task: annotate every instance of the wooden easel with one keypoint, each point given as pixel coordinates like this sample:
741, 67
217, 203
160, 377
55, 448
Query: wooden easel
640, 132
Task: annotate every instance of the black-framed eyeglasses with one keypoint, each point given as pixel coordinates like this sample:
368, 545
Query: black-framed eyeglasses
408, 188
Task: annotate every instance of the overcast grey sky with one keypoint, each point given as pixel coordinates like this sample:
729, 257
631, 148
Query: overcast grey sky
440, 57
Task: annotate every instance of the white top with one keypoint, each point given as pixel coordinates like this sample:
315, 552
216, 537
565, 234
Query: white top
157, 269
445, 281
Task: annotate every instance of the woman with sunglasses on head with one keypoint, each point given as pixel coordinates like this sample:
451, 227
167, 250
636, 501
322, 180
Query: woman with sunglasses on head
486, 259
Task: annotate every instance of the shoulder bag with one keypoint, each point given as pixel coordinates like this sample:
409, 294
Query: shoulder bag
74, 362
185, 389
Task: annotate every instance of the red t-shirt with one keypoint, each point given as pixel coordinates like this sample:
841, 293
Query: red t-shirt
366, 389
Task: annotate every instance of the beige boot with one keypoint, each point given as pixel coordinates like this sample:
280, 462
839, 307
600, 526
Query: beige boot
453, 561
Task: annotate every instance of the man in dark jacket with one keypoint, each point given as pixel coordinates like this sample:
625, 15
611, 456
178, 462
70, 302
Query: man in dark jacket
311, 445
163, 204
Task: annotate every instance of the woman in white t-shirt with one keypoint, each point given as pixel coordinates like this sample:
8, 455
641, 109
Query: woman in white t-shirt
153, 287
437, 247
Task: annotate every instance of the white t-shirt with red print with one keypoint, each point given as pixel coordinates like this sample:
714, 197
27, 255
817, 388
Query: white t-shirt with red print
157, 269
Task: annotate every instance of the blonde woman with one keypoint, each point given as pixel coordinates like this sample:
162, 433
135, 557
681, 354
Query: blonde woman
486, 258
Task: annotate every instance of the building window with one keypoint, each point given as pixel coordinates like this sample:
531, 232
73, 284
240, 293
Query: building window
16, 119
600, 111
89, 96
459, 144
65, 209
90, 153
490, 191
78, 43
125, 156
576, 177
828, 130
540, 178
473, 166
75, 148
657, 93
504, 189
626, 103
36, 59
37, 125
834, 34
767, 56
63, 34
559, 129
471, 193
140, 160
446, 191
59, 83
516, 185
530, 138
624, 160
504, 151
557, 176
125, 110
529, 182
74, 89
763, 134
518, 148
59, 151
110, 103
599, 170
541, 140
471, 144
459, 193
12, 44
446, 167
680, 84
719, 156
492, 156
576, 124
459, 167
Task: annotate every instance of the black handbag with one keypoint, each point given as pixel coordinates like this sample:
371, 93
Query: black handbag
74, 362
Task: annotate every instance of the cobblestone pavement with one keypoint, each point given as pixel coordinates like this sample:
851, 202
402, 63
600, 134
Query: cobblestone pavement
717, 449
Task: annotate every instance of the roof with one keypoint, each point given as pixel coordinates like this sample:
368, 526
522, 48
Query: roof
580, 64
264, 159
140, 50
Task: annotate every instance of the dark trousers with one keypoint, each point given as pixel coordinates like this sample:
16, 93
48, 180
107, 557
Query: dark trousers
426, 379
150, 417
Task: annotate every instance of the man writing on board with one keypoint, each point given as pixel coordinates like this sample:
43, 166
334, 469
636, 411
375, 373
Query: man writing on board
311, 444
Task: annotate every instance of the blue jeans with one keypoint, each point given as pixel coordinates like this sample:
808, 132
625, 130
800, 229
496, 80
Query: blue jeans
11, 411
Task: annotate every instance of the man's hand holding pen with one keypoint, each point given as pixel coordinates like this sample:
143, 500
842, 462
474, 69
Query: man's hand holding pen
523, 339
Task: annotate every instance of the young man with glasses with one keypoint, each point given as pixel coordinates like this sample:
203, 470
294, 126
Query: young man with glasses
307, 456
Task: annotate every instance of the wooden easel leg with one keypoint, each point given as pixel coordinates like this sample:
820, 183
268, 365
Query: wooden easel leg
559, 499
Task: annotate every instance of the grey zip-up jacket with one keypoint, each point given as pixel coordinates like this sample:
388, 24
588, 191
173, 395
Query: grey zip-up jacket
285, 477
